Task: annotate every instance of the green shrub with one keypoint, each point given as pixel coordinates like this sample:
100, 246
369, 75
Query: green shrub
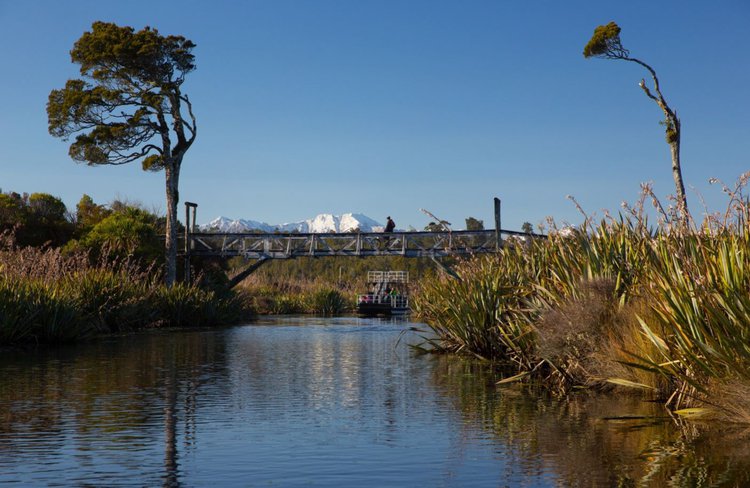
186, 306
326, 301
33, 311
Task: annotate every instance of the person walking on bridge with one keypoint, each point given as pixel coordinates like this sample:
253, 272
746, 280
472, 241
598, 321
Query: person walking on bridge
390, 225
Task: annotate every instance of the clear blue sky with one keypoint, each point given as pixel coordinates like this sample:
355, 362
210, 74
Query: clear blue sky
384, 107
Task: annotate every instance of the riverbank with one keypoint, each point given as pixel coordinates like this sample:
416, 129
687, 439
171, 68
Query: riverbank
617, 305
47, 296
298, 297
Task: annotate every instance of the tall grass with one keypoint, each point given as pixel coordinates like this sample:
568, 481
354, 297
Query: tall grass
48, 296
663, 309
299, 296
488, 312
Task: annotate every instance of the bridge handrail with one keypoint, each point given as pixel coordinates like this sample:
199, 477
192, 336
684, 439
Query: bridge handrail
458, 233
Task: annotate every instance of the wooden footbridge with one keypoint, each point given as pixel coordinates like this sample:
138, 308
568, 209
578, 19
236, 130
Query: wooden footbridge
263, 247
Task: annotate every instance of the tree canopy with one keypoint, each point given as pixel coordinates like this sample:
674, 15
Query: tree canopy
605, 43
128, 106
35, 220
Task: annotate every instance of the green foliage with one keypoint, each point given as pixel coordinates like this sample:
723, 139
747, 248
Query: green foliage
327, 301
699, 293
487, 312
37, 219
527, 228
284, 304
111, 300
619, 303
129, 106
88, 213
12, 210
474, 224
187, 306
605, 43
33, 311
46, 296
47, 208
133, 87
128, 234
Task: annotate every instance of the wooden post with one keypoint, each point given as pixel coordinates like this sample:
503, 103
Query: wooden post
188, 230
498, 235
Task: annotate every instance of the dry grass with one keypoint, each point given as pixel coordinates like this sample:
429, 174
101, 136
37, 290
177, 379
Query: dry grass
49, 296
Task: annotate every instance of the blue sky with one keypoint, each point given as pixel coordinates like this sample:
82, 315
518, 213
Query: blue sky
385, 107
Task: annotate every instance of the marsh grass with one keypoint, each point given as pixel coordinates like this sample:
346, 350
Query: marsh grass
665, 310
49, 296
277, 297
327, 301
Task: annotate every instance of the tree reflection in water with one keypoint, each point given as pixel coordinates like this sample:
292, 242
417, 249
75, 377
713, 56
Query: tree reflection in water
120, 388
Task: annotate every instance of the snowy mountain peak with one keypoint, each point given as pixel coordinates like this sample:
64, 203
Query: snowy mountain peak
322, 223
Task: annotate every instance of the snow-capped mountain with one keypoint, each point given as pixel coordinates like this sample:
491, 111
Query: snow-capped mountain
348, 222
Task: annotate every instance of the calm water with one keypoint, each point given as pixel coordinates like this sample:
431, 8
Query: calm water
326, 402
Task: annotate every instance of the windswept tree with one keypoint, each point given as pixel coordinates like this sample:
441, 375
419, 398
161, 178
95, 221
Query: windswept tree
128, 106
606, 44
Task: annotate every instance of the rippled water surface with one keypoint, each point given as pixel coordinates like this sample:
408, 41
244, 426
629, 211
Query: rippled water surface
325, 402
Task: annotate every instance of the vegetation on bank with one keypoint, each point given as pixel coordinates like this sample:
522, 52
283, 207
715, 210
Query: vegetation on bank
322, 286
67, 276
50, 295
664, 309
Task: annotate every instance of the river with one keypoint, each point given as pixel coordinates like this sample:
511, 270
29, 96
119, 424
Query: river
301, 401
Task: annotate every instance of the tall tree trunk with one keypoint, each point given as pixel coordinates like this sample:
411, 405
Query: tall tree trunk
674, 149
172, 173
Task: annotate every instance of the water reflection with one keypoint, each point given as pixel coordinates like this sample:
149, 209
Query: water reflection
327, 402
597, 440
74, 413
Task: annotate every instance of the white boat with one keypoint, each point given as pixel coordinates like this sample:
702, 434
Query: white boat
387, 295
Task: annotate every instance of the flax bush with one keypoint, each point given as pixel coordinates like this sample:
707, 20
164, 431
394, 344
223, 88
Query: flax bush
666, 310
700, 295
488, 312
327, 301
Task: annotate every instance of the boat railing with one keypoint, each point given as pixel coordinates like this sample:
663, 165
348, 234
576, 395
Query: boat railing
388, 276
395, 301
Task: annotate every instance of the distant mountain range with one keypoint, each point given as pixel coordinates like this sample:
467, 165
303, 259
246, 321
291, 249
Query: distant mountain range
348, 222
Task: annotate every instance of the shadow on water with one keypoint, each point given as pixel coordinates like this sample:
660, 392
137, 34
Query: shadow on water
592, 439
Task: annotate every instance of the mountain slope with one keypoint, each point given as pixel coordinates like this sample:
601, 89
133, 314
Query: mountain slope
322, 223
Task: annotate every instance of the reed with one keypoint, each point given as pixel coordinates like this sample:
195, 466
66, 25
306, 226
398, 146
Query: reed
665, 309
299, 296
49, 296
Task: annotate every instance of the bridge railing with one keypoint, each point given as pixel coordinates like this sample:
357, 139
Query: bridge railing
292, 245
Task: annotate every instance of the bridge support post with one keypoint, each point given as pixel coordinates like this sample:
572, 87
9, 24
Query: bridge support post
188, 229
498, 235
